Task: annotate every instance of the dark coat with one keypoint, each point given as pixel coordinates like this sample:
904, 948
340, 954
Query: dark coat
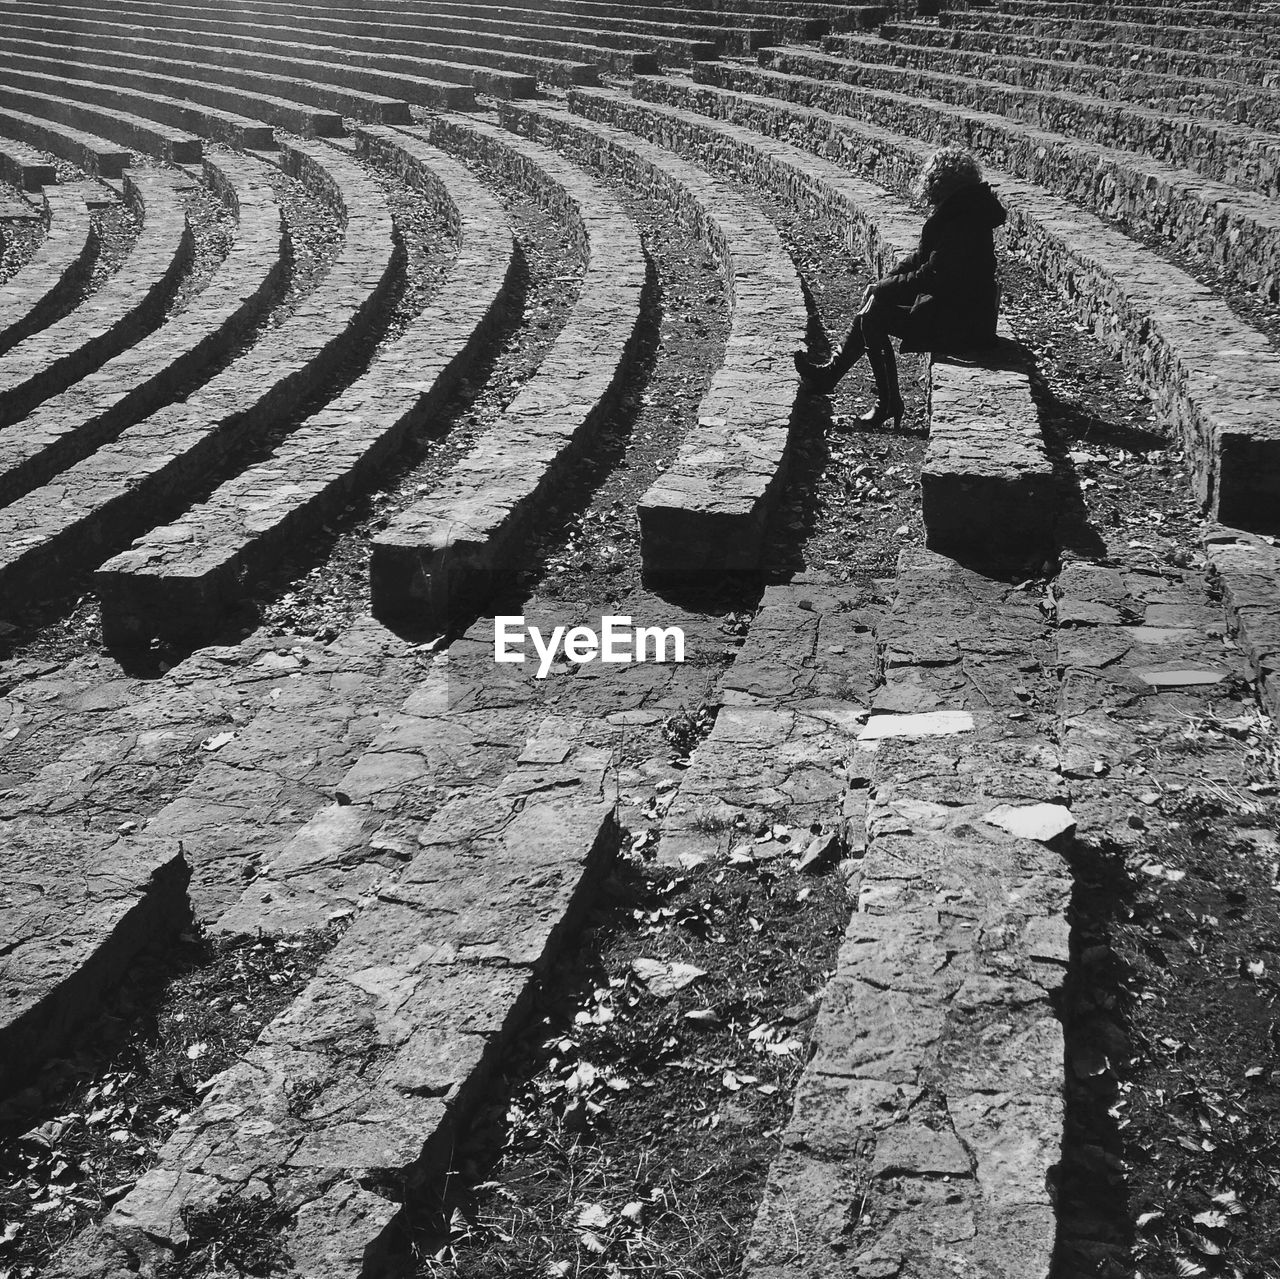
949, 282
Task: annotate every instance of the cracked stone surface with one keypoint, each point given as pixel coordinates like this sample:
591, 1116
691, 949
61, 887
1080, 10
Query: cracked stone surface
74, 909
366, 1070
930, 1116
792, 702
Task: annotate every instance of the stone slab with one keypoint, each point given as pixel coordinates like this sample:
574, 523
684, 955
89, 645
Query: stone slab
707, 512
371, 1068
74, 911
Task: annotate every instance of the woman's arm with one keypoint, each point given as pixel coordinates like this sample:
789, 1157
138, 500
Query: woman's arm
942, 267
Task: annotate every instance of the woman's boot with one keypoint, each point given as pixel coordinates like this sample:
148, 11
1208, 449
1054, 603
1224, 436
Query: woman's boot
822, 378
888, 397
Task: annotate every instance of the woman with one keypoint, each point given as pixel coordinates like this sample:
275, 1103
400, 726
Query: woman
942, 297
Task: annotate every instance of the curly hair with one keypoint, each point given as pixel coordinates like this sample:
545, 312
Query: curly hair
945, 172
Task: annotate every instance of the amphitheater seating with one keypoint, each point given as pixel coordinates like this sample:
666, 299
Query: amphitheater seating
987, 488
176, 79
124, 127
67, 427
115, 315
1207, 39
172, 20
852, 58
707, 513
409, 32
360, 775
54, 78
441, 554
1207, 370
30, 298
332, 101
1118, 54
319, 84
23, 166
1227, 225
108, 497
180, 580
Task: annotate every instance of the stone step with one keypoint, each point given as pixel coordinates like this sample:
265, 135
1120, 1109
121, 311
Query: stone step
52, 77
1143, 655
570, 22
93, 154
24, 167
353, 91
165, 75
791, 707
109, 497
403, 29
443, 554
1167, 35
1206, 371
69, 426
1103, 54
1223, 224
418, 75
1222, 150
780, 17
987, 448
128, 304
707, 513
180, 580
173, 19
430, 980
129, 129
929, 1119
225, 65
74, 910
987, 488
1216, 16
56, 271
1248, 569
863, 59
229, 754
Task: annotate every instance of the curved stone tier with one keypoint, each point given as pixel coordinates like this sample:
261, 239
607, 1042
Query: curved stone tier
93, 154
71, 425
987, 482
110, 496
1172, 35
24, 167
177, 146
1245, 68
51, 77
179, 580
108, 60
1225, 224
1210, 374
897, 64
706, 514
128, 304
352, 91
441, 555
55, 271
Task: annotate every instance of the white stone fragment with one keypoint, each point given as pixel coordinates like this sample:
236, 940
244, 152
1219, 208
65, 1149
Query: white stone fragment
929, 724
1041, 822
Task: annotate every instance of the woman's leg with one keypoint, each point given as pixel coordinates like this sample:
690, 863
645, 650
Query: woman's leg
823, 377
877, 324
